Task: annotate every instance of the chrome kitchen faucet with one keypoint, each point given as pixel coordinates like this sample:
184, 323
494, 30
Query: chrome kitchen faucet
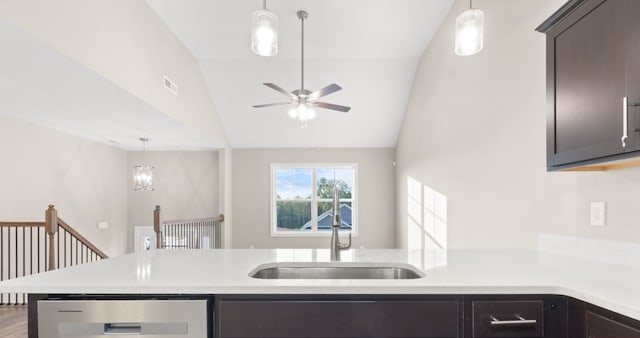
336, 222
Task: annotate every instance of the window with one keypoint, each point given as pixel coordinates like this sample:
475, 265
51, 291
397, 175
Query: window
302, 198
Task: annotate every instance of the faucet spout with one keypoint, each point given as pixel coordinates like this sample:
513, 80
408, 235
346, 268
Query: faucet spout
336, 222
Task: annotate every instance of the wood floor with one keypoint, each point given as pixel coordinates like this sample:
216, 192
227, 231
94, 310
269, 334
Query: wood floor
13, 321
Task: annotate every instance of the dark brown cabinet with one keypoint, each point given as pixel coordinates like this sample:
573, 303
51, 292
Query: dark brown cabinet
435, 316
298, 317
516, 316
590, 321
593, 82
598, 326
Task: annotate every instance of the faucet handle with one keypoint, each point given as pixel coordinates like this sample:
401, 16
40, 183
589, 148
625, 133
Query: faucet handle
345, 245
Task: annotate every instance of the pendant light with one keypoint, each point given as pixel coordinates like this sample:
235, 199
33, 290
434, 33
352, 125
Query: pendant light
143, 174
264, 32
469, 31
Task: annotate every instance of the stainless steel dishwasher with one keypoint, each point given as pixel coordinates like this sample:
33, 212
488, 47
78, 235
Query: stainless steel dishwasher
124, 318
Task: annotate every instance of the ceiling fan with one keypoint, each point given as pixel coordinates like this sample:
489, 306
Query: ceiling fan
303, 100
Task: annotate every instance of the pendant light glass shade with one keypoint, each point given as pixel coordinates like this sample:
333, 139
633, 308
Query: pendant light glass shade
264, 33
143, 174
469, 32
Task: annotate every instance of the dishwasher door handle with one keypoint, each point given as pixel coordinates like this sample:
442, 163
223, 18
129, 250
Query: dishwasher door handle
122, 328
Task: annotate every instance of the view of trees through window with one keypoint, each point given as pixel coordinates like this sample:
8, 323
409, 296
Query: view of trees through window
304, 197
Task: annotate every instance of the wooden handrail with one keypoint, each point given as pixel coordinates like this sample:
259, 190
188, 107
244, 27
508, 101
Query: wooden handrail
203, 219
81, 238
22, 224
28, 247
50, 225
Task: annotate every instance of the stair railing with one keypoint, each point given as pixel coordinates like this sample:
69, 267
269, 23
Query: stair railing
195, 233
28, 248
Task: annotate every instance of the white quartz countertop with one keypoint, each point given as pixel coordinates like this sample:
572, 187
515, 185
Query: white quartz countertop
226, 271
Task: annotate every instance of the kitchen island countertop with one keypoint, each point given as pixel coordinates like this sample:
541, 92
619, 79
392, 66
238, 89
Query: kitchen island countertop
226, 271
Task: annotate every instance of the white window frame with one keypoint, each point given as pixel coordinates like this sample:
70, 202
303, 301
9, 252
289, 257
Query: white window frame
314, 232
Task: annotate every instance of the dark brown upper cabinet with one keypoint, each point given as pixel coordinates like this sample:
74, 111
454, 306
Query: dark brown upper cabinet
593, 84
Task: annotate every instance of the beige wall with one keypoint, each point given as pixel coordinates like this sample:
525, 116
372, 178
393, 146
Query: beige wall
251, 189
83, 179
186, 186
474, 130
225, 188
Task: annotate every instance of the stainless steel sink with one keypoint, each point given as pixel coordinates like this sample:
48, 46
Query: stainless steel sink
336, 272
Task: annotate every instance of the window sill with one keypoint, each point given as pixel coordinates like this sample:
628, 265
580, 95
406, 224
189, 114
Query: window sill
342, 234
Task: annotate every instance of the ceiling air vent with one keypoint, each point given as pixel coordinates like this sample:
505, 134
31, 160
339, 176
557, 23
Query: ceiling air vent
170, 85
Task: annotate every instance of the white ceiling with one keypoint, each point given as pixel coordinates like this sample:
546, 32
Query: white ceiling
369, 47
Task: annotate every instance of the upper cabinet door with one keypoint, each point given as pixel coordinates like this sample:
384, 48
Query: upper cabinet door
588, 83
633, 69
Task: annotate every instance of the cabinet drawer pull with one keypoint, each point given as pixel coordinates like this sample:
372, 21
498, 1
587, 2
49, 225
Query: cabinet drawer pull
520, 321
624, 121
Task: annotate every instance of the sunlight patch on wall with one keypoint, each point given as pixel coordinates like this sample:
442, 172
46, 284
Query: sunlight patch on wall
427, 217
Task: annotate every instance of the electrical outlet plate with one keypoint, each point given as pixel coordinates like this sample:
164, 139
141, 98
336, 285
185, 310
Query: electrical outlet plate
598, 213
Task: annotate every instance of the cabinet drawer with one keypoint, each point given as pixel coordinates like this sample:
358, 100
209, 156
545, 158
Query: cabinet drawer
297, 318
601, 327
508, 318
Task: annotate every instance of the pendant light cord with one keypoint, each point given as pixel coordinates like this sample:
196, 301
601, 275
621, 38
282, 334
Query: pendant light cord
264, 4
470, 4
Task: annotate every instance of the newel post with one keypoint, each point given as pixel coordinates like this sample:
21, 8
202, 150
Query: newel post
156, 227
51, 228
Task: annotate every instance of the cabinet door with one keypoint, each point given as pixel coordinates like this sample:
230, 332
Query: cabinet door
311, 318
633, 71
601, 327
586, 60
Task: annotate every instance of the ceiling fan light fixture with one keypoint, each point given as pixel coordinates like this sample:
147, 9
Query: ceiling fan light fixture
303, 100
469, 31
264, 32
302, 112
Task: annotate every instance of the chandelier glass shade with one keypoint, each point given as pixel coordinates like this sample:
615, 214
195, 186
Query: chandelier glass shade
142, 178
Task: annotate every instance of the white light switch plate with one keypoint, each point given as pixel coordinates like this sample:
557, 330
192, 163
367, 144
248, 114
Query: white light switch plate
598, 213
102, 225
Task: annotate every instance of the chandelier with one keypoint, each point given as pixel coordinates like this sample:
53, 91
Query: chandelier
142, 173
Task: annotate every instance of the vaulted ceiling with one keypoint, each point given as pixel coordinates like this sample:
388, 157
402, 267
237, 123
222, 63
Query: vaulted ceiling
74, 84
369, 47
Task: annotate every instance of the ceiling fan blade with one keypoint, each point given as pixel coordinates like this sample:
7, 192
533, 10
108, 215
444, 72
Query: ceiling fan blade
332, 106
271, 104
279, 89
332, 88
